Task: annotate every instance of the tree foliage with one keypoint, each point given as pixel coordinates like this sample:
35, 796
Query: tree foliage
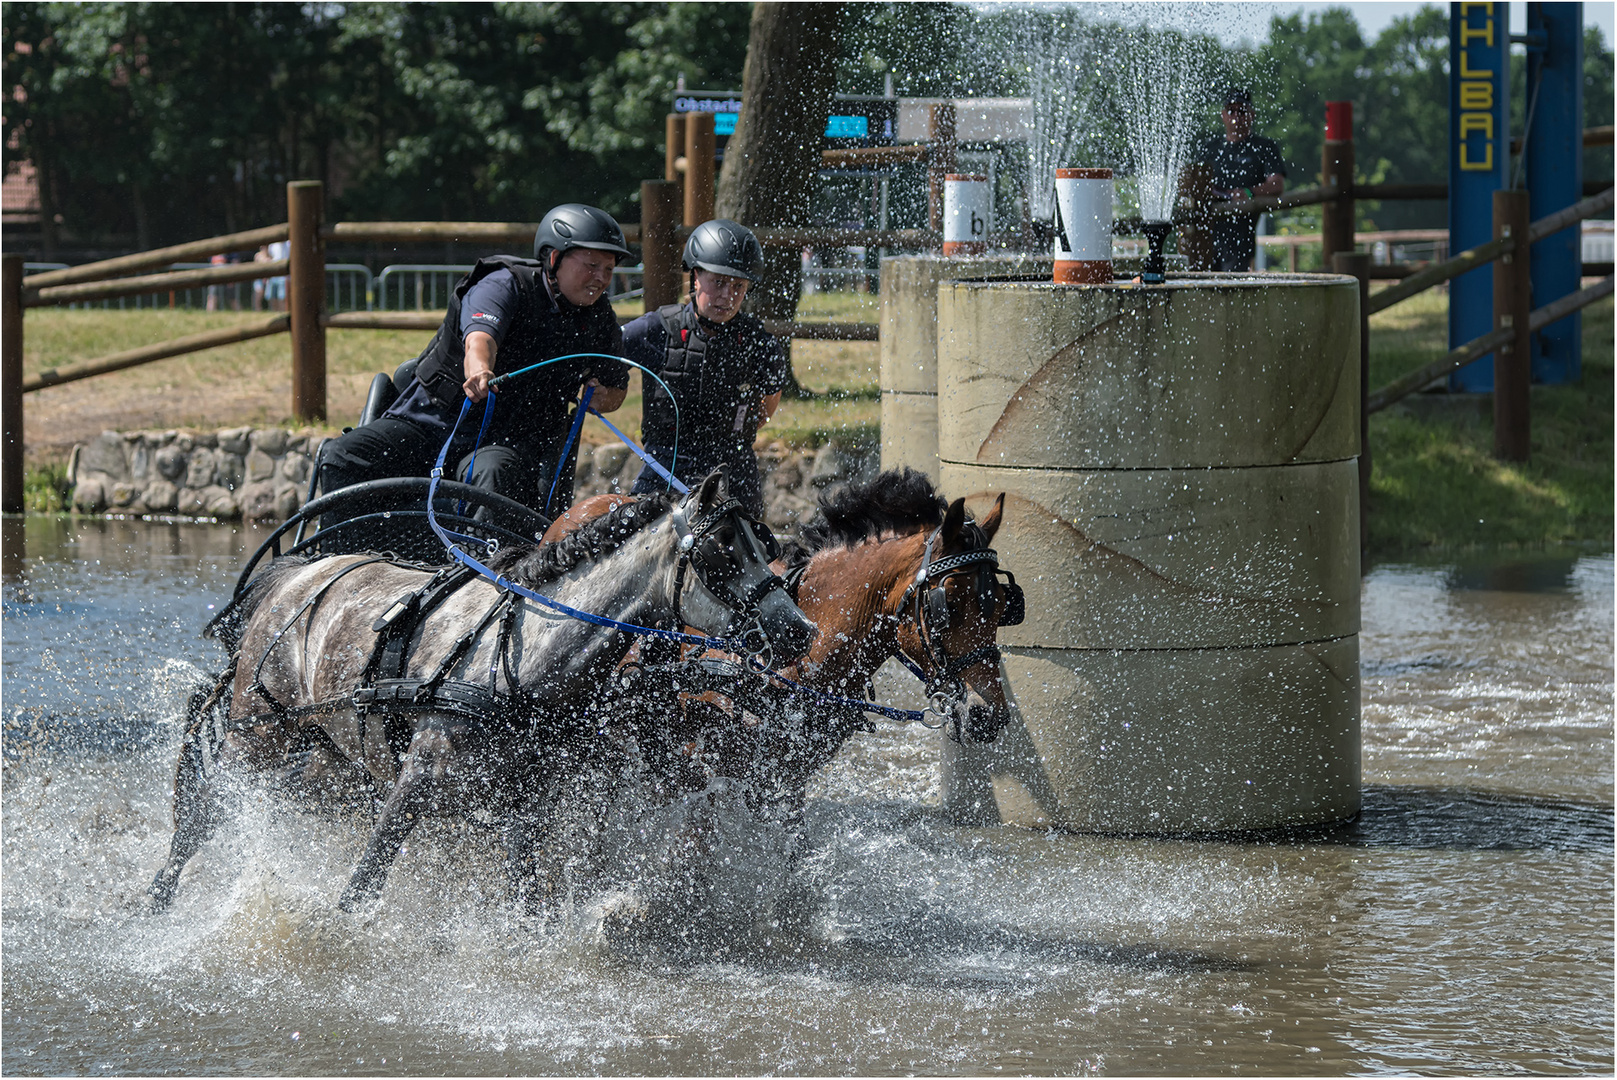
155, 122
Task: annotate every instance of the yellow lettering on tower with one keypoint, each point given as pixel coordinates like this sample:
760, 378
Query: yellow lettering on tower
1476, 95
1468, 72
1485, 165
1468, 32
1476, 121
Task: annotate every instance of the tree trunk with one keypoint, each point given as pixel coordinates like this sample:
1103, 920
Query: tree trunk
772, 162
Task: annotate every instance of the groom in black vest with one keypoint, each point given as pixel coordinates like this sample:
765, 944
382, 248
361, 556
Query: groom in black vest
725, 371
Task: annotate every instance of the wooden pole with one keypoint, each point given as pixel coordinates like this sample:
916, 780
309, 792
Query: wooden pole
306, 297
1357, 264
1513, 310
940, 160
659, 242
11, 438
672, 152
1336, 167
701, 147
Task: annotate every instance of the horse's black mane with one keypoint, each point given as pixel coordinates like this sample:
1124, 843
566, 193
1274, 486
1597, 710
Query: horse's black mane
893, 502
532, 565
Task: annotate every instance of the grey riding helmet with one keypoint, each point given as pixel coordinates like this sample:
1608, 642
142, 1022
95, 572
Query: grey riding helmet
725, 247
574, 225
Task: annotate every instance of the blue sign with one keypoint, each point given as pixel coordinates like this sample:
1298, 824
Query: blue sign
1479, 157
847, 127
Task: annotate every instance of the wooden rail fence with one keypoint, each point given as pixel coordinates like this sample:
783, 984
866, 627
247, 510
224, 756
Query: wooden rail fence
684, 195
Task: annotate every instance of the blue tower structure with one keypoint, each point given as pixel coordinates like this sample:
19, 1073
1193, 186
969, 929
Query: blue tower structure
1553, 160
1479, 160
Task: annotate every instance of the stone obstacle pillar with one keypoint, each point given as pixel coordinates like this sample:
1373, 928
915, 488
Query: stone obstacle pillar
1183, 512
909, 346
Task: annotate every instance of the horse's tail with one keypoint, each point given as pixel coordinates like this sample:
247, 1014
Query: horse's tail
227, 625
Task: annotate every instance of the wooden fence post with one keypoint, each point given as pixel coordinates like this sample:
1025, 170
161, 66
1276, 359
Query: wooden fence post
1513, 308
659, 242
1336, 167
700, 146
673, 150
1357, 263
306, 298
11, 439
940, 159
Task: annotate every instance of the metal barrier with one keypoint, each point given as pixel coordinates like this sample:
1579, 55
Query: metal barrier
429, 286
353, 279
348, 288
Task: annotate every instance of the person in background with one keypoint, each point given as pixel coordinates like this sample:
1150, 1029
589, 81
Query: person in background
1241, 166
725, 371
261, 255
275, 287
506, 314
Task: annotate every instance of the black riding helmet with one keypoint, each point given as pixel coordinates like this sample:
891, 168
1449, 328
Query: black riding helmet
725, 247
574, 225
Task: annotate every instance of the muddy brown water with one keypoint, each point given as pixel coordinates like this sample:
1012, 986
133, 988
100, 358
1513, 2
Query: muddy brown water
1462, 925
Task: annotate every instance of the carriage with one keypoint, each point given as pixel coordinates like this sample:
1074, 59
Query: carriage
382, 660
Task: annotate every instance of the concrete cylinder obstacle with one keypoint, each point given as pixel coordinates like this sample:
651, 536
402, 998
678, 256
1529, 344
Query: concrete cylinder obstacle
1083, 232
968, 212
909, 347
1182, 510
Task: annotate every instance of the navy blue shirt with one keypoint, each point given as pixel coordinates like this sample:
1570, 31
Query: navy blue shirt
491, 306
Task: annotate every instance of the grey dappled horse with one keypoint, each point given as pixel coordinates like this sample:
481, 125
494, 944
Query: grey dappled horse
304, 639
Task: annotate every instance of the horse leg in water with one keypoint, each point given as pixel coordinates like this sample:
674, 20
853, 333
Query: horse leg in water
548, 850
430, 753
197, 812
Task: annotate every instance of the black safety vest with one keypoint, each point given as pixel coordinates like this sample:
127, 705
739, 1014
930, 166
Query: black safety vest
713, 370
537, 402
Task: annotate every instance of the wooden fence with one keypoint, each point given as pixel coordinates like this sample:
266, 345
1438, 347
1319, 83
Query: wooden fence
686, 195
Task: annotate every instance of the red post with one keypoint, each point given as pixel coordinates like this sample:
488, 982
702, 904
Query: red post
1513, 308
1336, 168
12, 473
306, 298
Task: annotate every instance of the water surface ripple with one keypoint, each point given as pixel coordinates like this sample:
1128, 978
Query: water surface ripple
1463, 924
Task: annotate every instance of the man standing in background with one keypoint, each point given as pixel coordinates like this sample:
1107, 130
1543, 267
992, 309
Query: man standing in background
1241, 165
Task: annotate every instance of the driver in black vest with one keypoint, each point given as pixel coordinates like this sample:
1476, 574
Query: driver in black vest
725, 370
506, 314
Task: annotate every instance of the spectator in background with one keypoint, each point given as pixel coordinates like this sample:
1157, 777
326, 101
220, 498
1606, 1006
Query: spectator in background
261, 255
275, 287
1242, 165
214, 290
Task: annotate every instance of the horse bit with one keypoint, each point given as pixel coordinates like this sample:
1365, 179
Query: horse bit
944, 687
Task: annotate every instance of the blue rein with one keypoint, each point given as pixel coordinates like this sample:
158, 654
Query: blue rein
451, 541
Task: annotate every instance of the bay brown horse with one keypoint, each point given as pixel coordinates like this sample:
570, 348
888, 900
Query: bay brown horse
855, 574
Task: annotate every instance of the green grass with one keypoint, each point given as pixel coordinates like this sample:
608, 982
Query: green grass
1436, 486
46, 490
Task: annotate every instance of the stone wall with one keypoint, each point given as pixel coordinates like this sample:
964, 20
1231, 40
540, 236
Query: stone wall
263, 474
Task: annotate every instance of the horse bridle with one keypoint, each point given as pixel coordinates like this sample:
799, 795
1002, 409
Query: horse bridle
713, 568
931, 612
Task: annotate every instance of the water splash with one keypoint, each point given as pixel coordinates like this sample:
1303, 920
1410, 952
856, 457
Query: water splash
1163, 87
1062, 64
